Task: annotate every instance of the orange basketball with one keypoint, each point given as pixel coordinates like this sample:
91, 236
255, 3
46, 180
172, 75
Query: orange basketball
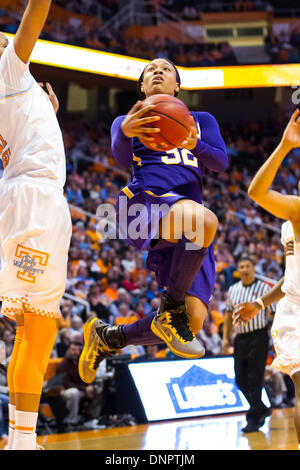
175, 122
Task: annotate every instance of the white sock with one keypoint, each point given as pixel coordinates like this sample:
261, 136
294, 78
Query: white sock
11, 426
25, 425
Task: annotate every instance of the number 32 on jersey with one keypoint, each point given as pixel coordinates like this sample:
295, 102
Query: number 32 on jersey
176, 156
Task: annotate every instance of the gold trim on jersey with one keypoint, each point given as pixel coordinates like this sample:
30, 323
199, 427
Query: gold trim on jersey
155, 195
128, 193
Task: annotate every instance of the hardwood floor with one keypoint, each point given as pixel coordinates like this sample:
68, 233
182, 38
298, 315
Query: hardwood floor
209, 433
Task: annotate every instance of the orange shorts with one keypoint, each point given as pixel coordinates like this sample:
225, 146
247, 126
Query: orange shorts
286, 336
35, 232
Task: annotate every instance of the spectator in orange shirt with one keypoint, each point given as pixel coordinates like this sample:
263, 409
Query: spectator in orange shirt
138, 270
103, 262
112, 290
93, 235
126, 316
74, 256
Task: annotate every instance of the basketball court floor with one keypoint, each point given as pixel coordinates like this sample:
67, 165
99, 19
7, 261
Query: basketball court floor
205, 433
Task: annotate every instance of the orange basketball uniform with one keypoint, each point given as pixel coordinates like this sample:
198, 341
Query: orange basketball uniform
35, 223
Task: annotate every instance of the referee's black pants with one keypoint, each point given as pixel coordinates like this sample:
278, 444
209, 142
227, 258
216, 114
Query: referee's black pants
250, 356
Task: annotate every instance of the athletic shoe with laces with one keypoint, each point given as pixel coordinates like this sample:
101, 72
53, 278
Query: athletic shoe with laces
172, 326
96, 348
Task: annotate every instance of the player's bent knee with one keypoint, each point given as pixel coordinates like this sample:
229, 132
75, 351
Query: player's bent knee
210, 220
211, 224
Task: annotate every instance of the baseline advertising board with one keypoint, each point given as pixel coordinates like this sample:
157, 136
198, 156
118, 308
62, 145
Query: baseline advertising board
187, 388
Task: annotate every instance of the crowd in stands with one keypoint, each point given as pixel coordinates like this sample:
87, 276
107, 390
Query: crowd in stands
87, 35
284, 47
281, 48
192, 11
103, 9
219, 6
109, 279
187, 8
199, 54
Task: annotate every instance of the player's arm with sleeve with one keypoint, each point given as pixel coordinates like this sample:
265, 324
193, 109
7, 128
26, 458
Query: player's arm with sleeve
210, 149
246, 311
121, 145
30, 28
286, 207
273, 295
124, 128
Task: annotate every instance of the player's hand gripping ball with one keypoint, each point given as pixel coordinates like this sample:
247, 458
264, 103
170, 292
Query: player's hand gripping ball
175, 122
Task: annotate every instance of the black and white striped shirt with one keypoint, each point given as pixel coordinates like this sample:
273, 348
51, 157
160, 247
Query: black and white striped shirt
238, 293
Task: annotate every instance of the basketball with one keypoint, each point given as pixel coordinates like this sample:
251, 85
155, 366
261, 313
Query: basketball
175, 122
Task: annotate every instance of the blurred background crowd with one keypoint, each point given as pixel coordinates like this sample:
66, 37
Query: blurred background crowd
95, 31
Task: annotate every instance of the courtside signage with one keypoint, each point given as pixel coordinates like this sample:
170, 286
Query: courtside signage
199, 389
130, 68
179, 389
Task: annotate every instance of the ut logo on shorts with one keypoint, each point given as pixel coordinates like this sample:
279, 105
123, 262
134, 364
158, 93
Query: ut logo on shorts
30, 262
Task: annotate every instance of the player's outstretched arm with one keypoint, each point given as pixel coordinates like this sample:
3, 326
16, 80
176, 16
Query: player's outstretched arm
227, 330
283, 206
30, 28
244, 312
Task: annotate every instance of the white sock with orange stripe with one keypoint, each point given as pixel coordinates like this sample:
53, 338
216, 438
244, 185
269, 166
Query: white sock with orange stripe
11, 426
25, 425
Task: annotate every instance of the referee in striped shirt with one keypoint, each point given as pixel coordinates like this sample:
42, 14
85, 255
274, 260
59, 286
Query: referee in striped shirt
251, 342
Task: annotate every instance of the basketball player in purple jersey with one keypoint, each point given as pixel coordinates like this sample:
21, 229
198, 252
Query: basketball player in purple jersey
184, 264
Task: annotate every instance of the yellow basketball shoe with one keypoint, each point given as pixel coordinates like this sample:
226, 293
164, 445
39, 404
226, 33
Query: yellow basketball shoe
172, 326
100, 342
